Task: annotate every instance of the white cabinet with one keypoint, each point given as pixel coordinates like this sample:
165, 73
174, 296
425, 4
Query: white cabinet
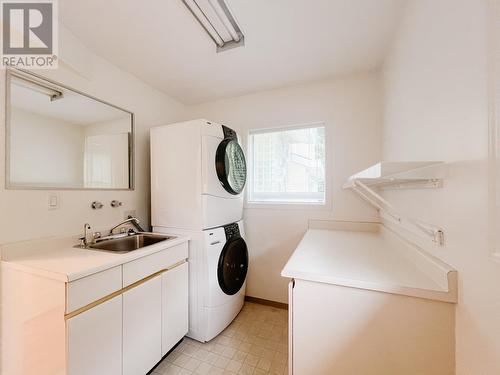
95, 340
142, 317
118, 318
174, 299
333, 327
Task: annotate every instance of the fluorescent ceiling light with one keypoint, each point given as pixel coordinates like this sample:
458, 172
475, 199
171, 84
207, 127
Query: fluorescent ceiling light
218, 22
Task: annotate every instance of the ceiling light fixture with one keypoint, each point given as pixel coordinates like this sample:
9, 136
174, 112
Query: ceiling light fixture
218, 22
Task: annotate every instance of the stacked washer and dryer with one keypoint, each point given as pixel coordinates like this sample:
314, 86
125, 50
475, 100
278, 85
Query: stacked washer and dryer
198, 173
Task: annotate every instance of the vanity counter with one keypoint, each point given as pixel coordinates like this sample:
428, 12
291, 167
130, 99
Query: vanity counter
76, 311
58, 259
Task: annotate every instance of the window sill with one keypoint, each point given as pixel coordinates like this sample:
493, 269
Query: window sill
272, 205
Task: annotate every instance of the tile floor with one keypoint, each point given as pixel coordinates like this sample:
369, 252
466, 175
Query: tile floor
255, 343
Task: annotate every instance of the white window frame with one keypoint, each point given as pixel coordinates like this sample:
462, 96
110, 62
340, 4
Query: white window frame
286, 204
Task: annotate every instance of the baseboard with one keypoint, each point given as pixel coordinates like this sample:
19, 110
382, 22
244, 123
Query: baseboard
266, 302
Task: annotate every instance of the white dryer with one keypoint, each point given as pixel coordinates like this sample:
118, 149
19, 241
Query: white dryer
224, 175
198, 172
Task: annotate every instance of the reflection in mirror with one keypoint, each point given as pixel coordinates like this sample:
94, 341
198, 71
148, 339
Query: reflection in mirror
62, 139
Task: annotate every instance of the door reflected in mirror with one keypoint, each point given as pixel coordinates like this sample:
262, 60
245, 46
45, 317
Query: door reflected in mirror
59, 138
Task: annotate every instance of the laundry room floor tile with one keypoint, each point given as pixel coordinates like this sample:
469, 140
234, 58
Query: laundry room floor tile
256, 342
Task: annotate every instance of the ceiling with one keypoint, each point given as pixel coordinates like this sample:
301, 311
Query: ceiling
286, 42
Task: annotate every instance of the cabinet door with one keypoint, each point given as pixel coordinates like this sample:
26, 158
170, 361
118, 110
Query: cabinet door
174, 306
142, 327
95, 340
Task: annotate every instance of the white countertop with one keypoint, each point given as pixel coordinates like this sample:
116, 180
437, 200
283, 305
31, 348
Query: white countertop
58, 259
377, 259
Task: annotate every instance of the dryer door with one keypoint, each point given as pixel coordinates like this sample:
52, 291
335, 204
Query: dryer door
233, 266
231, 166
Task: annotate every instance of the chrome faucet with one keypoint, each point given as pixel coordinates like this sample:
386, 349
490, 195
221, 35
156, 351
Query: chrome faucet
132, 220
88, 236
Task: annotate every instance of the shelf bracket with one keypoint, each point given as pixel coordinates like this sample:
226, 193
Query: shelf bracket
416, 226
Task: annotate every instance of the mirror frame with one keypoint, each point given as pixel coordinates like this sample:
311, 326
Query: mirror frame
9, 73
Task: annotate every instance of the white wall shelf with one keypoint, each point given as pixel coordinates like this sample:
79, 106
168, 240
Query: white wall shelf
400, 175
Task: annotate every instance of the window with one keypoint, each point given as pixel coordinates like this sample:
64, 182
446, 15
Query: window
287, 165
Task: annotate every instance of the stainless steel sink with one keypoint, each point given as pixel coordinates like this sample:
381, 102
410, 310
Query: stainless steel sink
129, 243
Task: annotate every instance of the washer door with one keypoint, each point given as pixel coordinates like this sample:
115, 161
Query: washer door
233, 266
231, 166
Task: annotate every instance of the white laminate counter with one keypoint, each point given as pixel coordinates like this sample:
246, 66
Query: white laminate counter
375, 259
58, 259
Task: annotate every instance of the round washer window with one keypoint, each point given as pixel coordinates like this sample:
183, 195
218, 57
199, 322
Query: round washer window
233, 266
231, 166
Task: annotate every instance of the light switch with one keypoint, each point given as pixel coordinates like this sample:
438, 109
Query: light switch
53, 201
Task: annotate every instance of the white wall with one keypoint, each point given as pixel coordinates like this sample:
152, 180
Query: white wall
118, 126
24, 214
351, 109
45, 150
436, 109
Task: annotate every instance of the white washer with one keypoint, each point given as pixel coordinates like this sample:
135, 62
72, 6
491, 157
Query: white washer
227, 262
198, 173
218, 264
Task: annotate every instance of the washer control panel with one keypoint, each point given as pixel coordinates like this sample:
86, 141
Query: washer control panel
232, 231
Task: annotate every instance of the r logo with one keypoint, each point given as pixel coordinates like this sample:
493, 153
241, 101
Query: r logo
27, 28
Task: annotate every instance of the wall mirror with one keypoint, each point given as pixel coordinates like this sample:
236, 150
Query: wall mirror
59, 138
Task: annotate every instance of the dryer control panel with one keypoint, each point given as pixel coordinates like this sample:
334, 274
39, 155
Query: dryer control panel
232, 231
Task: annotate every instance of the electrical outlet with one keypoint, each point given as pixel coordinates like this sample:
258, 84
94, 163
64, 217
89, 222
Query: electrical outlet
128, 213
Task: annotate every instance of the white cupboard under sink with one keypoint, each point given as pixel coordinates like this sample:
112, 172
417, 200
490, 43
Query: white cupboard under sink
174, 289
91, 312
142, 327
155, 318
95, 340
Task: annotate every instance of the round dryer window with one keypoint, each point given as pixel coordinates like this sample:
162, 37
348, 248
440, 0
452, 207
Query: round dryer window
233, 266
231, 166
